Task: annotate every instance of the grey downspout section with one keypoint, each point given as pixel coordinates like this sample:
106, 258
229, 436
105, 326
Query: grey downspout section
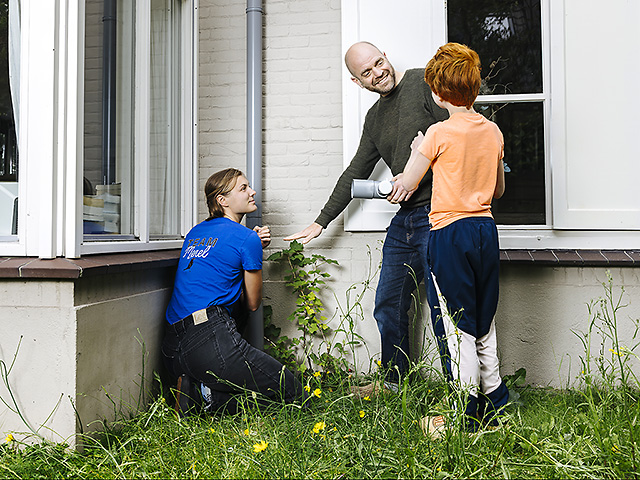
109, 93
255, 328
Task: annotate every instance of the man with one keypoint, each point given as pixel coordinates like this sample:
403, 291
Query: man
405, 107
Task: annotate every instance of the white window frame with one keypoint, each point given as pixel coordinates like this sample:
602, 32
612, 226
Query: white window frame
564, 228
52, 128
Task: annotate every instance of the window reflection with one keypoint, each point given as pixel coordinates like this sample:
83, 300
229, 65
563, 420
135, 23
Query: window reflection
523, 202
508, 37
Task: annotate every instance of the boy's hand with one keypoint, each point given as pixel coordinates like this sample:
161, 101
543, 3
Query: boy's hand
398, 194
265, 235
417, 141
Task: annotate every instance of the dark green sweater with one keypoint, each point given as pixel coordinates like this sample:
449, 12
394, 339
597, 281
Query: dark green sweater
390, 126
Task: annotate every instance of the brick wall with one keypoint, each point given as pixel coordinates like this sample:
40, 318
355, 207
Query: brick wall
302, 122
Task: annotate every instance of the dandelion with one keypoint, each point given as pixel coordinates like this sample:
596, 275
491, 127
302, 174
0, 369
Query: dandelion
9, 439
317, 392
367, 398
246, 432
260, 447
212, 431
318, 427
379, 363
361, 413
317, 374
307, 388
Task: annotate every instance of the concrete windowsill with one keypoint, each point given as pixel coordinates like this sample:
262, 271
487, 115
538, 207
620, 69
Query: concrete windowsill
33, 267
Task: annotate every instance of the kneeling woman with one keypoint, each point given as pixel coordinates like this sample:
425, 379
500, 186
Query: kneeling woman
219, 274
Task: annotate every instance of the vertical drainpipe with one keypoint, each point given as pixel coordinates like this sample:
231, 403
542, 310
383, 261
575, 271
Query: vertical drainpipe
109, 93
255, 329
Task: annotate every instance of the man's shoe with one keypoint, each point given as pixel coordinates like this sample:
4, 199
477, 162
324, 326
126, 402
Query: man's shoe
433, 427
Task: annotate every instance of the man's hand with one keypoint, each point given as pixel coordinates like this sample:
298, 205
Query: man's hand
398, 194
308, 234
265, 235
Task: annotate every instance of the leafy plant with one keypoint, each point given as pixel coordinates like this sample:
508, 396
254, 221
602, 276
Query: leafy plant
306, 277
277, 345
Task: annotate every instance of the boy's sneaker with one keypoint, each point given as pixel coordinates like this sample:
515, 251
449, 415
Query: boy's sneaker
188, 396
433, 427
370, 390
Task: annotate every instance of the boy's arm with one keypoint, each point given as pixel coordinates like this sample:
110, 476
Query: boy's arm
500, 183
416, 167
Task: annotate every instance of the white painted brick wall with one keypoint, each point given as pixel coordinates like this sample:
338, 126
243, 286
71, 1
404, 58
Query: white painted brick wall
302, 124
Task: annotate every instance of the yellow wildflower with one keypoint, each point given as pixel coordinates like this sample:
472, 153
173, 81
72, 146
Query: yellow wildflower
9, 438
318, 427
379, 363
260, 447
361, 413
212, 431
317, 392
246, 432
317, 374
367, 398
307, 388
615, 449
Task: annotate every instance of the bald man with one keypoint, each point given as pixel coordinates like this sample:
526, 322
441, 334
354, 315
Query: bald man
405, 107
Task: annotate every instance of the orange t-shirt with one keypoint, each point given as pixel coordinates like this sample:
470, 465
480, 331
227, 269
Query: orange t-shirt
464, 152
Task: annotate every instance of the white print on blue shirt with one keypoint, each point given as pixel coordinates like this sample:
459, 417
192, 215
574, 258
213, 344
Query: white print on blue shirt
193, 249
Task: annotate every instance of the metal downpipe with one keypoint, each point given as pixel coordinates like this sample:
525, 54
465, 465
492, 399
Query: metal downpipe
255, 329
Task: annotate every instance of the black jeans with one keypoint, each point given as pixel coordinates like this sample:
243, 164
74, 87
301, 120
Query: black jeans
215, 354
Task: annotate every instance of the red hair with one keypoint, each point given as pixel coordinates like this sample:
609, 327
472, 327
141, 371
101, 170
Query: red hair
454, 74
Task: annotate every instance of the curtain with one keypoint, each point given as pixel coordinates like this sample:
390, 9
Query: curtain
164, 202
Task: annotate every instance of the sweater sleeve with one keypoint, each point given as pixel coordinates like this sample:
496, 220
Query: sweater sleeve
361, 167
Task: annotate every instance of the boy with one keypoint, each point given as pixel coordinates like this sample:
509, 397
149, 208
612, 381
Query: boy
465, 155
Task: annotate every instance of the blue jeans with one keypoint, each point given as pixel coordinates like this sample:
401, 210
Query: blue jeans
215, 354
404, 266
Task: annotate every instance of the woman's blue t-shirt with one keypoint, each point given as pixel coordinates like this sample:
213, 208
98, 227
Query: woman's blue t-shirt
214, 256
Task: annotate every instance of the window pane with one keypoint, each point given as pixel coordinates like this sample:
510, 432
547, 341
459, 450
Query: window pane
523, 202
507, 36
108, 130
164, 160
8, 140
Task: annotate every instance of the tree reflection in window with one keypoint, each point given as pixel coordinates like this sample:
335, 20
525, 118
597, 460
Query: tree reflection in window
508, 37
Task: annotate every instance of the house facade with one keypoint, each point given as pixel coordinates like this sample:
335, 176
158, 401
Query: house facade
121, 110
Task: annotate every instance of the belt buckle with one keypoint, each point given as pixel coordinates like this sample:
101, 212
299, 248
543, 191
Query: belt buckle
200, 316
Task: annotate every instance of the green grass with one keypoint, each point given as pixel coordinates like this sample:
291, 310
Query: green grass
586, 432
547, 434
